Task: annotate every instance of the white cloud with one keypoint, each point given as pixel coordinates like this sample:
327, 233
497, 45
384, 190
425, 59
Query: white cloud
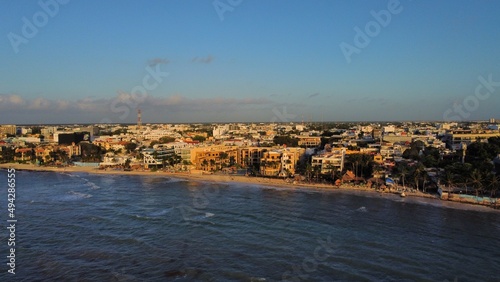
39, 104
97, 109
204, 60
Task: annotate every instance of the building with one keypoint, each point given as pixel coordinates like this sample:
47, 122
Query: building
111, 159
220, 130
26, 130
280, 162
389, 150
72, 138
157, 157
389, 129
270, 164
330, 161
26, 154
212, 158
455, 138
289, 159
309, 141
157, 134
8, 129
250, 156
48, 132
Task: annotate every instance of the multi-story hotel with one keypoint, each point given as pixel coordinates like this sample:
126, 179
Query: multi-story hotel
455, 138
309, 141
330, 161
280, 162
250, 156
8, 129
213, 157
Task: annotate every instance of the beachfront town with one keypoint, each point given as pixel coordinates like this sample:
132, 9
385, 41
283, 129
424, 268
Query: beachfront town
446, 158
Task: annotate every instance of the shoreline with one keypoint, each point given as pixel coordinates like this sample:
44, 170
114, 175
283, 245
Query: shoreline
414, 197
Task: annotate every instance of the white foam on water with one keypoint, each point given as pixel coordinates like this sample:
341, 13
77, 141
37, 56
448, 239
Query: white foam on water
202, 217
74, 196
362, 209
92, 185
160, 213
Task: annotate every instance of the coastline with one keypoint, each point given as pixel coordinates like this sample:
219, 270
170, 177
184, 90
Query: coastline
415, 197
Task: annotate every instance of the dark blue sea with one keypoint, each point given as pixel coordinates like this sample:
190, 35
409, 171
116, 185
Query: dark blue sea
83, 227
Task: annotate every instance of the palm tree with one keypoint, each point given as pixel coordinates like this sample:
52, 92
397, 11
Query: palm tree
63, 155
212, 164
163, 161
448, 179
309, 170
127, 164
53, 156
333, 170
417, 173
493, 184
204, 164
263, 165
476, 180
317, 170
403, 172
424, 180
223, 156
366, 162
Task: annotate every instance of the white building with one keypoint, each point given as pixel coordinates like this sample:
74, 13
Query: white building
389, 129
329, 161
159, 133
220, 130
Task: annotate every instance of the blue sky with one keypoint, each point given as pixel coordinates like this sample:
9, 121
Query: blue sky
256, 61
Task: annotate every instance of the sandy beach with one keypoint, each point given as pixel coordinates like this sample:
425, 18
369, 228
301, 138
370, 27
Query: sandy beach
416, 197
190, 176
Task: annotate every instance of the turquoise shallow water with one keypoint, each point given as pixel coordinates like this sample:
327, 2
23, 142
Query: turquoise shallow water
81, 227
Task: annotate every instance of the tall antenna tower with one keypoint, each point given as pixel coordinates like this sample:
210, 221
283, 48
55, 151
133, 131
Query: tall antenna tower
139, 119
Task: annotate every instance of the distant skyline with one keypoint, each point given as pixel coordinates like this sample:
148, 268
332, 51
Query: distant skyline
248, 61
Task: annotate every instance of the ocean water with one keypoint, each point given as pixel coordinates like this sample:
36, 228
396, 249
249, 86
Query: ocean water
82, 227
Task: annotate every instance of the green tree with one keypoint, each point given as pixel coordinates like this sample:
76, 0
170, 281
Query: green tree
127, 163
91, 152
309, 170
493, 183
448, 180
286, 140
402, 171
167, 139
476, 181
7, 154
417, 174
131, 146
153, 143
222, 157
199, 138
